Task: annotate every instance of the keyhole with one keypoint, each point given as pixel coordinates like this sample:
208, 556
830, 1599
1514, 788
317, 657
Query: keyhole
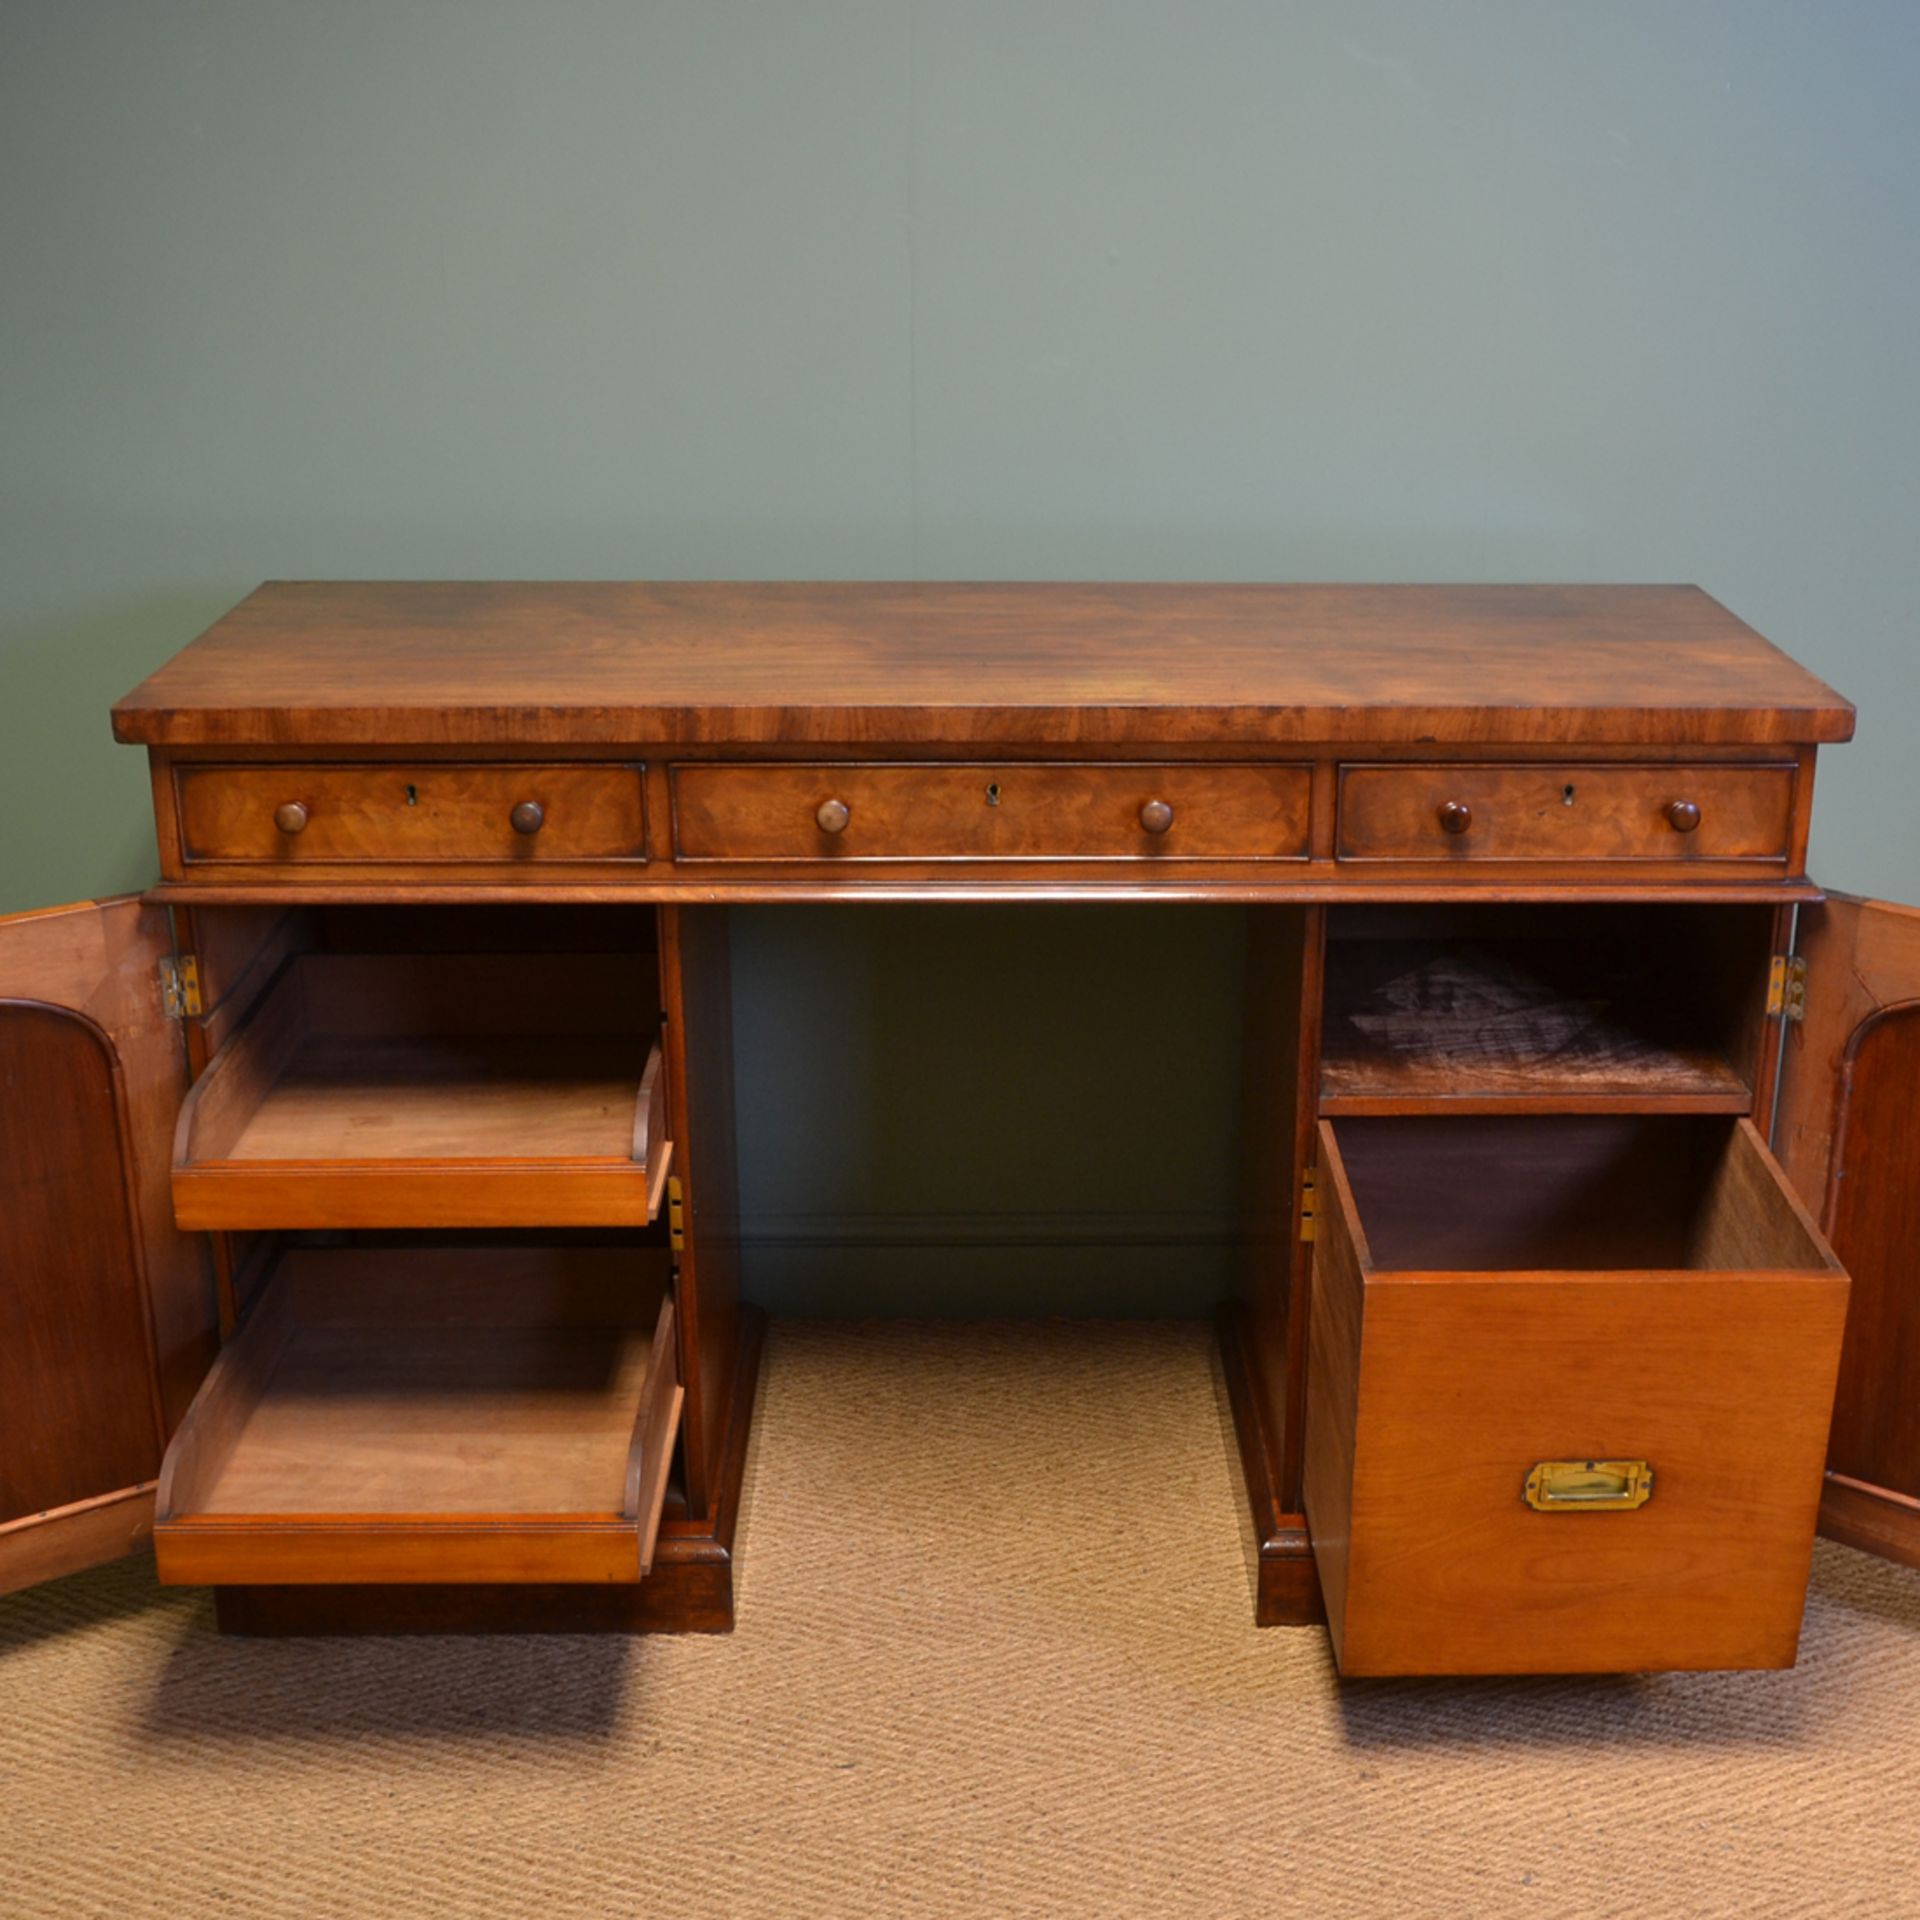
993, 793
1566, 796
413, 797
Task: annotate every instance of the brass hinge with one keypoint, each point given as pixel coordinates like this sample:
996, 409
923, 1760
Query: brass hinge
676, 1216
1306, 1204
180, 986
1787, 987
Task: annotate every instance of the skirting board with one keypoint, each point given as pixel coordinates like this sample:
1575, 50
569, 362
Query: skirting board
1873, 1519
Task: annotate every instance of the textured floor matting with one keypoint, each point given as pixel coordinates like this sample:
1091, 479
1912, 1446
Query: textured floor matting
994, 1656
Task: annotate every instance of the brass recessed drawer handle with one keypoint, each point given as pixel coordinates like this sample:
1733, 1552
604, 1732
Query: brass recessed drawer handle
1455, 816
528, 817
1589, 1486
1683, 815
1156, 816
832, 816
290, 817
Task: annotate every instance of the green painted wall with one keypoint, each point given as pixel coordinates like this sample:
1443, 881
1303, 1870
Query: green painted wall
1348, 290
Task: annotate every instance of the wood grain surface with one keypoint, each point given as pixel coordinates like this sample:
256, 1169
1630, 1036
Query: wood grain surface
431, 815
107, 1312
1565, 811
990, 811
337, 663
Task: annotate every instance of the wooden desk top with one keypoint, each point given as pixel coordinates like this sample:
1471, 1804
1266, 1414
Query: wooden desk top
370, 663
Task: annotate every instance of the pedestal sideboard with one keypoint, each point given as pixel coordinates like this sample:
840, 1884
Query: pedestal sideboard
372, 1196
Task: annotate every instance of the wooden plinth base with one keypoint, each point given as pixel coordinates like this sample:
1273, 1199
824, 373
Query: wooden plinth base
1288, 1589
1874, 1519
690, 1589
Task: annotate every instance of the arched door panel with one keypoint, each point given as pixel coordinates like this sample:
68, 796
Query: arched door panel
1848, 1135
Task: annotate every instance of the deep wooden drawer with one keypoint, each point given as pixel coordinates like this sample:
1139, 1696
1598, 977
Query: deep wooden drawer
1490, 1295
448, 1415
410, 814
988, 811
1564, 812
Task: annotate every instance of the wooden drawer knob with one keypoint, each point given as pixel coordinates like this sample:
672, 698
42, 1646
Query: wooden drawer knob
1156, 816
833, 815
1455, 816
528, 817
290, 817
1683, 815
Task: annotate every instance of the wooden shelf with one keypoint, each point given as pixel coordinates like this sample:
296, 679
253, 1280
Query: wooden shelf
433, 1414
1512, 1026
432, 1090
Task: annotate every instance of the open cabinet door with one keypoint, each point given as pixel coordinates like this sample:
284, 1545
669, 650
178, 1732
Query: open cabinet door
106, 1310
1848, 1135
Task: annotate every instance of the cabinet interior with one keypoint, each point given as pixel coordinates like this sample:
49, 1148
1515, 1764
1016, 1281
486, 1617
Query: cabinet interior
407, 1377
1495, 1006
365, 1066
434, 1140
1569, 1192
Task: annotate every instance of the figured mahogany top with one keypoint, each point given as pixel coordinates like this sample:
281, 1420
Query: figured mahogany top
505, 663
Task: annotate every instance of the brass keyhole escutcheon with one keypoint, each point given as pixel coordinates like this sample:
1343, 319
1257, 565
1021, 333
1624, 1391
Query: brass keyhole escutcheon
413, 795
993, 793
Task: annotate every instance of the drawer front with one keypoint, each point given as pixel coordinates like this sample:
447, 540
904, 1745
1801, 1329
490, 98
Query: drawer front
1435, 1399
1565, 812
984, 811
413, 815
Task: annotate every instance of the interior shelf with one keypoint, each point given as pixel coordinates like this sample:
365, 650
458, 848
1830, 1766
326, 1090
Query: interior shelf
1512, 1025
421, 1090
440, 1413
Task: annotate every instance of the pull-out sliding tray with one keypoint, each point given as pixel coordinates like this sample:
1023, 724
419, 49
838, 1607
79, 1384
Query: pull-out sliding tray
440, 1414
429, 1090
1569, 1382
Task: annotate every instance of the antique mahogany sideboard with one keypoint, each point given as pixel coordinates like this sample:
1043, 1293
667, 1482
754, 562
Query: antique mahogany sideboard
371, 1226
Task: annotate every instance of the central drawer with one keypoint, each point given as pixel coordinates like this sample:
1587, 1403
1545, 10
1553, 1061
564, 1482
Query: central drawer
1569, 1384
985, 810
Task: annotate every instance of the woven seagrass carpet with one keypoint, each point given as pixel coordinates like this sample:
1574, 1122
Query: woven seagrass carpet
994, 1657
